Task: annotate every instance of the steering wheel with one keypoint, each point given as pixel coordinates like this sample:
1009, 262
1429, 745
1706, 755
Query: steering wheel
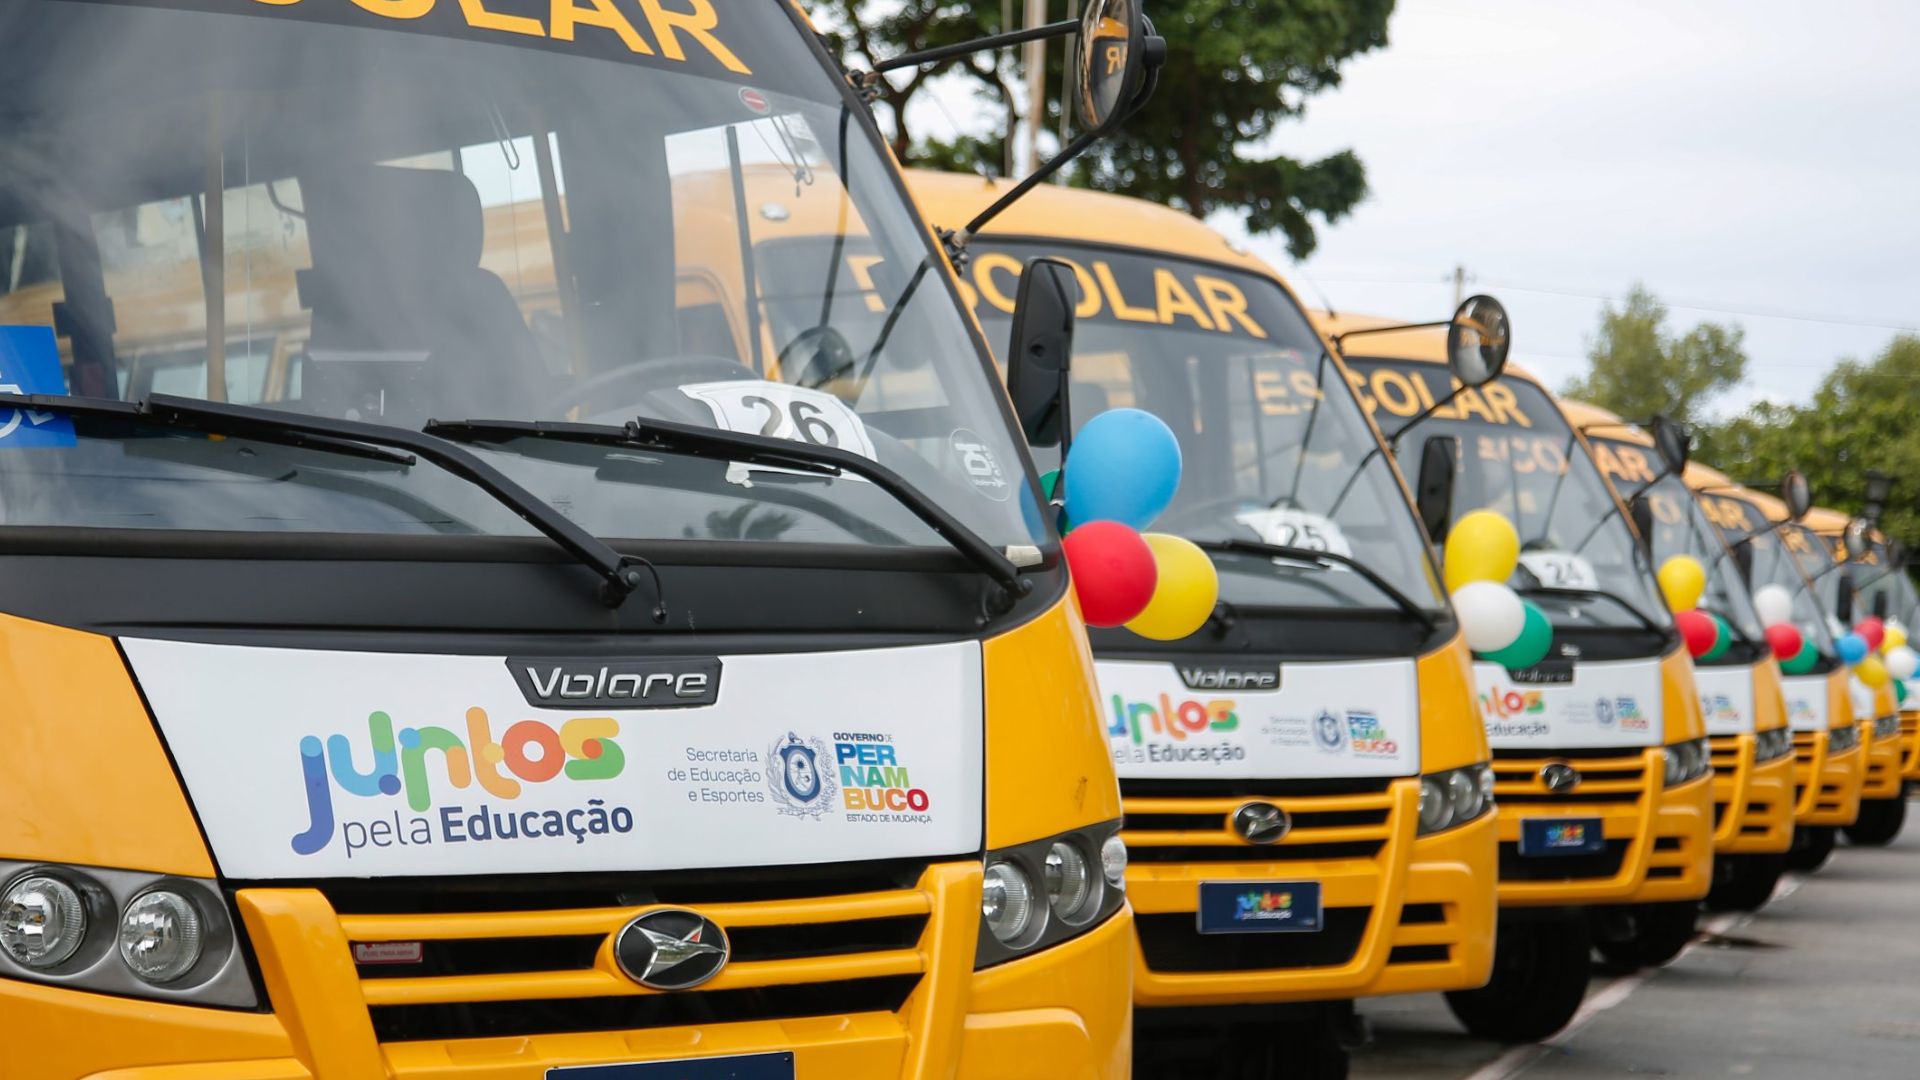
661, 373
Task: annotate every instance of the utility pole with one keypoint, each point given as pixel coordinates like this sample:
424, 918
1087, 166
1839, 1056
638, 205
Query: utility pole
1068, 66
1009, 167
1459, 285
1036, 60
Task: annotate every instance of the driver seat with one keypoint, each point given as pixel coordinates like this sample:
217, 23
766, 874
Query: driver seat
407, 326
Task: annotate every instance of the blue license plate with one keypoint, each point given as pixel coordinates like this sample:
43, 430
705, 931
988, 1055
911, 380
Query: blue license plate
1259, 907
1561, 836
744, 1067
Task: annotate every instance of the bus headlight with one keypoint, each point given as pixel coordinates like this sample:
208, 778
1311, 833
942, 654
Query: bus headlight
1036, 895
1687, 762
1072, 889
1006, 901
42, 921
1455, 797
160, 937
1113, 861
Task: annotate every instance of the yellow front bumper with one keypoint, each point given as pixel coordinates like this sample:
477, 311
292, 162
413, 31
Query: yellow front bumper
1826, 785
1752, 801
1910, 745
1659, 840
1411, 914
1883, 780
1061, 1012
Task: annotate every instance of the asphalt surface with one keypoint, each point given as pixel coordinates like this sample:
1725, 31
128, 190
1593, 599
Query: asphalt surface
1823, 982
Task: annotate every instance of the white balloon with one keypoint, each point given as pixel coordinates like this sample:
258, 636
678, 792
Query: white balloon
1774, 604
1902, 662
1491, 615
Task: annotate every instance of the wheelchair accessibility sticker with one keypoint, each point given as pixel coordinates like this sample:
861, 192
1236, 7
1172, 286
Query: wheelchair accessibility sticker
30, 364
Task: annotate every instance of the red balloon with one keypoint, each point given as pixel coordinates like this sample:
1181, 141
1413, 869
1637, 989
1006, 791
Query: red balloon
1113, 570
1698, 630
1873, 630
1785, 640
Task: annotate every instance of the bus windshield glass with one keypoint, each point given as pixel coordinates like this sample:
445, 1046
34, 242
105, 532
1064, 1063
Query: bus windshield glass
403, 212
1680, 527
1274, 447
1777, 560
1519, 458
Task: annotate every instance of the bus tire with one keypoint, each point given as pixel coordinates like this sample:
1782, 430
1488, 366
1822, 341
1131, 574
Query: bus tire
1646, 935
1745, 882
1812, 847
1879, 822
1540, 975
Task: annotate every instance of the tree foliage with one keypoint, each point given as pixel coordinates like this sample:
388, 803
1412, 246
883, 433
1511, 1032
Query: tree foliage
1235, 71
1639, 368
1861, 417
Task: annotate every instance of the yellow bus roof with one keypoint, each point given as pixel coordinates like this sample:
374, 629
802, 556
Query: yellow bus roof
1426, 345
1599, 423
1076, 215
1825, 519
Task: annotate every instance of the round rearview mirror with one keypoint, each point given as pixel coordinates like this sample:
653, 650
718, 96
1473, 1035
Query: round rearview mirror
1672, 441
1795, 492
1477, 341
1113, 60
1857, 543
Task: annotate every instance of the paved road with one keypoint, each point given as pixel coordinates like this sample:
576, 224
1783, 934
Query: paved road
1823, 983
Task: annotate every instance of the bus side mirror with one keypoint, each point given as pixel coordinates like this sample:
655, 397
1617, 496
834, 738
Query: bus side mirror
1797, 494
1640, 508
1040, 349
1672, 441
1743, 558
1856, 540
1843, 601
1433, 489
1477, 341
1119, 62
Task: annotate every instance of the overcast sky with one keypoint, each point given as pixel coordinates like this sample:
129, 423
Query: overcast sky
1753, 157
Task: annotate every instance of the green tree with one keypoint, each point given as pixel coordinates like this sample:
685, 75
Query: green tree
1235, 71
1861, 417
1639, 369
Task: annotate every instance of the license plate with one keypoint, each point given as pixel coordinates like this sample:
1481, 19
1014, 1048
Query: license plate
1561, 836
744, 1067
1259, 907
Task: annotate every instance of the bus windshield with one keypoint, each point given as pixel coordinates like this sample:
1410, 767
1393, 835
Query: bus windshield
1680, 527
1275, 448
1518, 457
433, 210
1776, 561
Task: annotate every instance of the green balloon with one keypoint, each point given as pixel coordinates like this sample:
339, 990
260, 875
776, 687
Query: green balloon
1050, 487
1531, 647
1802, 662
1722, 639
1900, 690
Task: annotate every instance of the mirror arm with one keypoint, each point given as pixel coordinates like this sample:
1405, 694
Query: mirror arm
1393, 440
965, 48
957, 241
1339, 340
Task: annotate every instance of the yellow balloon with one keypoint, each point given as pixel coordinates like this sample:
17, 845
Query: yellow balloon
1683, 579
1481, 546
1893, 637
1872, 672
1186, 593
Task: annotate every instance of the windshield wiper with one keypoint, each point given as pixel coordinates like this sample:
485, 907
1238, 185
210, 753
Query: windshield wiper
731, 446
619, 574
1324, 558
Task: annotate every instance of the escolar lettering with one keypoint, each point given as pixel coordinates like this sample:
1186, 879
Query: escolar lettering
691, 22
1182, 296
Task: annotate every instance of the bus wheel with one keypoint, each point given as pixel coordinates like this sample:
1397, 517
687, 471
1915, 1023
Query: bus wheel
1645, 935
1304, 1048
1540, 974
1744, 882
1879, 822
1812, 846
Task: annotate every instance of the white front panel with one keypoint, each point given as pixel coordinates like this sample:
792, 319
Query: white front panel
306, 763
1726, 698
1862, 697
1806, 701
1608, 703
1359, 718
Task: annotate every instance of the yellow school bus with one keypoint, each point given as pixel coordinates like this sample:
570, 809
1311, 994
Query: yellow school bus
1859, 585
1318, 740
1604, 739
1829, 764
1740, 690
452, 633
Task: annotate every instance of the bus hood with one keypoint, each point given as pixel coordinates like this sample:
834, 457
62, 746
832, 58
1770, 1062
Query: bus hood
305, 763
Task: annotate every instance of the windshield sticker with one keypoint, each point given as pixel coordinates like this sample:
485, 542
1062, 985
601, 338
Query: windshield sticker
1288, 527
1323, 719
1406, 391
1806, 701
982, 469
30, 364
1128, 290
396, 764
1726, 697
1606, 703
1561, 570
779, 411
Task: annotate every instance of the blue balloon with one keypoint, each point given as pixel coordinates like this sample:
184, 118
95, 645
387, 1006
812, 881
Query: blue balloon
1853, 648
1124, 466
